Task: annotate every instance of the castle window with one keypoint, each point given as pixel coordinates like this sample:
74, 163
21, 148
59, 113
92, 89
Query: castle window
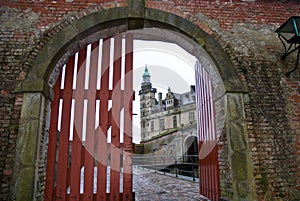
152, 126
161, 124
191, 116
174, 121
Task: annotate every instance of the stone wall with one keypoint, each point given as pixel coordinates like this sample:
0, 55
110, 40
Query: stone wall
245, 30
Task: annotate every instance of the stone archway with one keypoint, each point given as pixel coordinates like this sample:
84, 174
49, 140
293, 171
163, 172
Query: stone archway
191, 147
229, 91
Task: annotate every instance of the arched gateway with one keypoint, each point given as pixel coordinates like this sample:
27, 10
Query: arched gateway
228, 94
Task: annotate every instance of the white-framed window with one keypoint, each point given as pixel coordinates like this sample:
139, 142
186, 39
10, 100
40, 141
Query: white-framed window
152, 126
191, 116
174, 121
161, 124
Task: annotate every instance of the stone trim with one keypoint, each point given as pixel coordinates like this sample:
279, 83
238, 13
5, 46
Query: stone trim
238, 148
31, 122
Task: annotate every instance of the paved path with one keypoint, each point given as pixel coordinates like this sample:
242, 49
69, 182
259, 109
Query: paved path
150, 186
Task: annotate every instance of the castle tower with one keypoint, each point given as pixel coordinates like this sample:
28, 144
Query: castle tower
147, 101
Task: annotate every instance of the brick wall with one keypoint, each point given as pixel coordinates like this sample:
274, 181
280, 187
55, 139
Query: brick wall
293, 93
244, 28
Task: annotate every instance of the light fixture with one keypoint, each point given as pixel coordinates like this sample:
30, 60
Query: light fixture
289, 35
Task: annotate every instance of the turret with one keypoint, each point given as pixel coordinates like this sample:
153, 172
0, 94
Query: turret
147, 101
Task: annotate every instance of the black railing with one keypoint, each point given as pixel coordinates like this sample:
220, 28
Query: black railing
176, 165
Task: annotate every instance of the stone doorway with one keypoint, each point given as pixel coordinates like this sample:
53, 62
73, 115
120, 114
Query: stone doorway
192, 149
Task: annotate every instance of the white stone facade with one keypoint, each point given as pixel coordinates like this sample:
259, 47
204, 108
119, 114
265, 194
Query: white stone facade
175, 114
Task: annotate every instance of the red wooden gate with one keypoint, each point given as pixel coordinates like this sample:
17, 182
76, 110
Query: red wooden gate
86, 112
209, 175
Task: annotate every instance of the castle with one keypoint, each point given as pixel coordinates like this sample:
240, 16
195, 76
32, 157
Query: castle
168, 126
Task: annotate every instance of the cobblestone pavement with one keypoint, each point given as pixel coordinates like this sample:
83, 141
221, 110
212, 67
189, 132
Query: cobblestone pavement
150, 186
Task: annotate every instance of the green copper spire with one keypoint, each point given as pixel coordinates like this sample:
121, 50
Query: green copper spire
146, 73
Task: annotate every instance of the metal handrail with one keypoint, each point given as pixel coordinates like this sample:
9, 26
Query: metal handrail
170, 164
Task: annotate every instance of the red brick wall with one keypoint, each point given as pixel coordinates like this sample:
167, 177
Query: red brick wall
293, 88
273, 111
228, 12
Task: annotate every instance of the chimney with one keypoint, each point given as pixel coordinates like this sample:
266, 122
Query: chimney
192, 88
160, 100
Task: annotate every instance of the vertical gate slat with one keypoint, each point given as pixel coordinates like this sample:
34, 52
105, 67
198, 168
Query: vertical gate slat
202, 104
207, 140
213, 142
200, 119
128, 149
77, 136
208, 148
204, 132
199, 90
207, 136
103, 124
50, 169
90, 125
115, 131
218, 193
203, 176
210, 119
215, 193
62, 165
211, 133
